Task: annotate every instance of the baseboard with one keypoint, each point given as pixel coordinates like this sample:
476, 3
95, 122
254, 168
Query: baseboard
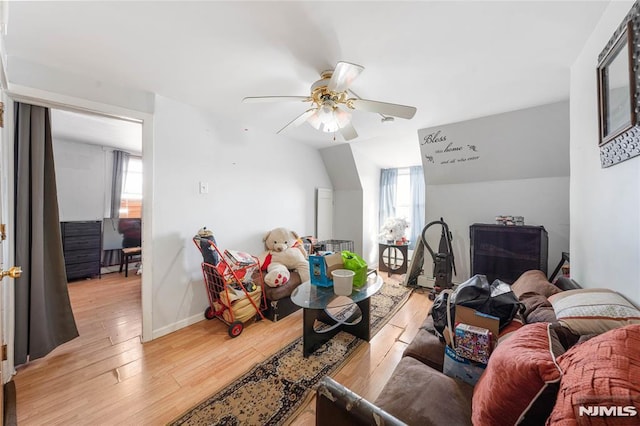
163, 331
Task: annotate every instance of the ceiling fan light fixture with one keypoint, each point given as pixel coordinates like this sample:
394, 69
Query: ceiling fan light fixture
326, 113
329, 118
314, 121
331, 103
323, 121
329, 122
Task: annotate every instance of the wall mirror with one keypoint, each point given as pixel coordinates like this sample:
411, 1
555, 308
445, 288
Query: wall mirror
616, 88
618, 94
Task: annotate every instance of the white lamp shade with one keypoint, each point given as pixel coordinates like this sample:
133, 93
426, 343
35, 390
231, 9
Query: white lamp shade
329, 119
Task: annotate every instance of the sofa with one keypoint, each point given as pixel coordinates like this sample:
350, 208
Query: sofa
534, 375
279, 303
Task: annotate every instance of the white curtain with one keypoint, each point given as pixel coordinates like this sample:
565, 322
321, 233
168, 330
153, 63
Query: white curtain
416, 182
388, 184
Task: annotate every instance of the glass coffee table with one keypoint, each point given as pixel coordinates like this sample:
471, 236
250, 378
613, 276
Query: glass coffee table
347, 313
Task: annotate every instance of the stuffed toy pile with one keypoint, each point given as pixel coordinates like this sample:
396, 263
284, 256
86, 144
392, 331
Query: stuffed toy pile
394, 229
284, 252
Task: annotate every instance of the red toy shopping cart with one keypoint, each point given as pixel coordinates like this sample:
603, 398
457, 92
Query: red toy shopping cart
234, 285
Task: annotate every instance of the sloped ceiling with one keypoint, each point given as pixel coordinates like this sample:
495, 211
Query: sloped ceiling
96, 129
452, 60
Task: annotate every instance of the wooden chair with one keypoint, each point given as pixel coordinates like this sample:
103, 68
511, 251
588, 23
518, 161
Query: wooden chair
126, 255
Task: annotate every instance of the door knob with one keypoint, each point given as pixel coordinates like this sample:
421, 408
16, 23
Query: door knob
13, 272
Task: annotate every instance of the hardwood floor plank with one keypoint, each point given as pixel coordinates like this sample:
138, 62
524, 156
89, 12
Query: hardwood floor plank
107, 376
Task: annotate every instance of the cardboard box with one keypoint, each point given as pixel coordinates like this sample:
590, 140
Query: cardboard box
321, 266
473, 343
470, 316
333, 261
461, 368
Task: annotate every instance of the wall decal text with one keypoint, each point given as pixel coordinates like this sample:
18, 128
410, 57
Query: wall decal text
441, 150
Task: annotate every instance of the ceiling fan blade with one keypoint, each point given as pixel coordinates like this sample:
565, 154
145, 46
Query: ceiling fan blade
395, 110
348, 132
299, 119
260, 99
343, 76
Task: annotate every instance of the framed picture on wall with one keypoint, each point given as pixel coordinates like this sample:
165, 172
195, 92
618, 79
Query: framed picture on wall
616, 88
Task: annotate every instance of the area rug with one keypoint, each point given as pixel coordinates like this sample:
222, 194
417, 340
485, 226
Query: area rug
274, 390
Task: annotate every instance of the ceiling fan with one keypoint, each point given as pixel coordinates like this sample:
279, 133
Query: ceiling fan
332, 103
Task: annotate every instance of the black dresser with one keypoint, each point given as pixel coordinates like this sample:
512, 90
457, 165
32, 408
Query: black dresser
505, 252
82, 245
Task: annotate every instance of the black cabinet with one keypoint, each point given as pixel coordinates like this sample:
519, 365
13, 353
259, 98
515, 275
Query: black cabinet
505, 252
82, 245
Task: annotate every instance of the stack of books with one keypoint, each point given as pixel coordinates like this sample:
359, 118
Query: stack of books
239, 259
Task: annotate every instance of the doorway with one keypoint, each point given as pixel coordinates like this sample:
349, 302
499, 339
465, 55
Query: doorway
55, 101
99, 176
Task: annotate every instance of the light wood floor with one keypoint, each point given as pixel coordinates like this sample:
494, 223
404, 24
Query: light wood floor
107, 376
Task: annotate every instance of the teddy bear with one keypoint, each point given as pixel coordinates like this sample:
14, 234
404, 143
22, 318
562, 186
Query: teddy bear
394, 229
284, 252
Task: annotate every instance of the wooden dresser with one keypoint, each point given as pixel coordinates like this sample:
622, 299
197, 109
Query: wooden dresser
82, 245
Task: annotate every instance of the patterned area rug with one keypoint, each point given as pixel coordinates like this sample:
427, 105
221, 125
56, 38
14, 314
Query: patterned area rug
273, 390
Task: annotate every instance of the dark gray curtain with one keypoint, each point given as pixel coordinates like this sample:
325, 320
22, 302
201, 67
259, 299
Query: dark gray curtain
120, 166
44, 319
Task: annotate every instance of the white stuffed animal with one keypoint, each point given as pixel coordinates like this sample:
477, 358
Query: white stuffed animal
284, 253
394, 229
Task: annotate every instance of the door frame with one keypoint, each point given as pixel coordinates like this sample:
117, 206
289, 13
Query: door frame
8, 300
6, 260
59, 101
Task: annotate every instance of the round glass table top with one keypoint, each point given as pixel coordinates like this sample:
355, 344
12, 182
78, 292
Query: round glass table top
311, 296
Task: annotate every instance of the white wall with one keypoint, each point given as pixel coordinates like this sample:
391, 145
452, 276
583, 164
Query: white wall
605, 203
347, 194
369, 174
248, 195
80, 179
515, 163
542, 201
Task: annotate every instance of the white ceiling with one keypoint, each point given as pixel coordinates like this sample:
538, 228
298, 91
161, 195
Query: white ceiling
96, 129
452, 60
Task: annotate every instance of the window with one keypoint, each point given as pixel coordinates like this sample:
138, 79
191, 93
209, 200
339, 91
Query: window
403, 194
131, 204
